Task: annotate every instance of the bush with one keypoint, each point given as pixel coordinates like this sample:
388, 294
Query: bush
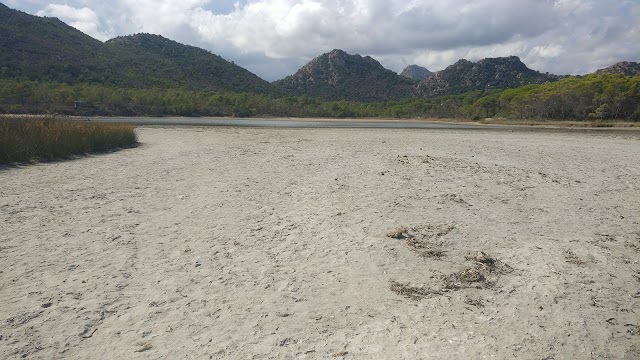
46, 138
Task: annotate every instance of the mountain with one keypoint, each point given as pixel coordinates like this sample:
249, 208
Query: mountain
46, 49
416, 72
158, 61
625, 68
490, 73
40, 48
337, 75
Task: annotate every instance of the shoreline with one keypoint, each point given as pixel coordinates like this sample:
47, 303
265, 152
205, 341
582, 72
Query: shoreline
487, 123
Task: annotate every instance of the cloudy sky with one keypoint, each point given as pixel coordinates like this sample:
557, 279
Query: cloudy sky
273, 38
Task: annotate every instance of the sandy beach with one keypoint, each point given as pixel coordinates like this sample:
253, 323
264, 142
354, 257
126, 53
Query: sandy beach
243, 243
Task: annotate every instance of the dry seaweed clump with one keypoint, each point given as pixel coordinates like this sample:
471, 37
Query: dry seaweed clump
482, 275
468, 277
488, 263
572, 258
412, 292
480, 257
474, 301
434, 231
425, 249
399, 232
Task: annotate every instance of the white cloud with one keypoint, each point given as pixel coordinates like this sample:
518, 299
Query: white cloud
156, 16
83, 19
547, 51
275, 37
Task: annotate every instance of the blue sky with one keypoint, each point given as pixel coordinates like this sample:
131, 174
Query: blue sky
273, 38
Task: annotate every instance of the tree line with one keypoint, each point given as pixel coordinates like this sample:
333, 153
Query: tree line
606, 96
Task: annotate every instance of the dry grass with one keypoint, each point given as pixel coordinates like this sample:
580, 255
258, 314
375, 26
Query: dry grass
24, 139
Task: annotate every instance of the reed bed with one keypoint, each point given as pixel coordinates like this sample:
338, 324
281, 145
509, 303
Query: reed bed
24, 139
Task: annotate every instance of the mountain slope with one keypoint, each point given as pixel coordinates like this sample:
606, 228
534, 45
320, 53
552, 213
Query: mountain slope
416, 72
158, 61
46, 49
490, 73
40, 48
340, 76
624, 67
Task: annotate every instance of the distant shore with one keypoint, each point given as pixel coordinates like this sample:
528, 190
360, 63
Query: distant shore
586, 124
456, 123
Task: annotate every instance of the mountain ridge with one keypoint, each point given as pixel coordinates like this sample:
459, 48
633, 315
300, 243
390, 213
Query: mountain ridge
626, 68
337, 75
46, 49
485, 74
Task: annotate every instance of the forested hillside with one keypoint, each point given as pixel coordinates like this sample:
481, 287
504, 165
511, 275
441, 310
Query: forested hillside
46, 49
608, 96
39, 48
152, 60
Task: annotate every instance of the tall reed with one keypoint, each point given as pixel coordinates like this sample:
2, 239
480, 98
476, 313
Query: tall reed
25, 138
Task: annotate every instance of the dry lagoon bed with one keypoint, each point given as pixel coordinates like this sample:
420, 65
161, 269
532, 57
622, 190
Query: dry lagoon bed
247, 243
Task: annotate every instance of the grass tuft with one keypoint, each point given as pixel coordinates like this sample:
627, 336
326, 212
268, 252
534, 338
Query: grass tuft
24, 139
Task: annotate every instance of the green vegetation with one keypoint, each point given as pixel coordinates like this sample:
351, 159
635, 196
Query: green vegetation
36, 138
593, 97
45, 49
608, 96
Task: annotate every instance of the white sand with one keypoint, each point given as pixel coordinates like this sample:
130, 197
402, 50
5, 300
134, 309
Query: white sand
270, 243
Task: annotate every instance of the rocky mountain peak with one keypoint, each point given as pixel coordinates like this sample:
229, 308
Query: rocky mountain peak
337, 75
626, 68
489, 73
416, 72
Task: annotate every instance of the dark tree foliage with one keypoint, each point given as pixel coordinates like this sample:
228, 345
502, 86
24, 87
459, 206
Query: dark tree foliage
592, 97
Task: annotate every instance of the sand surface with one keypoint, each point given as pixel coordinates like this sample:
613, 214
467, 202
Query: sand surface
231, 243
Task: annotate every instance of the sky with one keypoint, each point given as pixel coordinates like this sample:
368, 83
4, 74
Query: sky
274, 38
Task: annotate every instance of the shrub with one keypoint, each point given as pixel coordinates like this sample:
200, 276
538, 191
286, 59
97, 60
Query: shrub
25, 138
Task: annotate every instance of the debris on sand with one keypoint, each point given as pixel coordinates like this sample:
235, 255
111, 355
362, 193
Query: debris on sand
477, 302
145, 346
412, 292
398, 232
572, 258
465, 278
488, 263
481, 275
480, 257
633, 329
425, 249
